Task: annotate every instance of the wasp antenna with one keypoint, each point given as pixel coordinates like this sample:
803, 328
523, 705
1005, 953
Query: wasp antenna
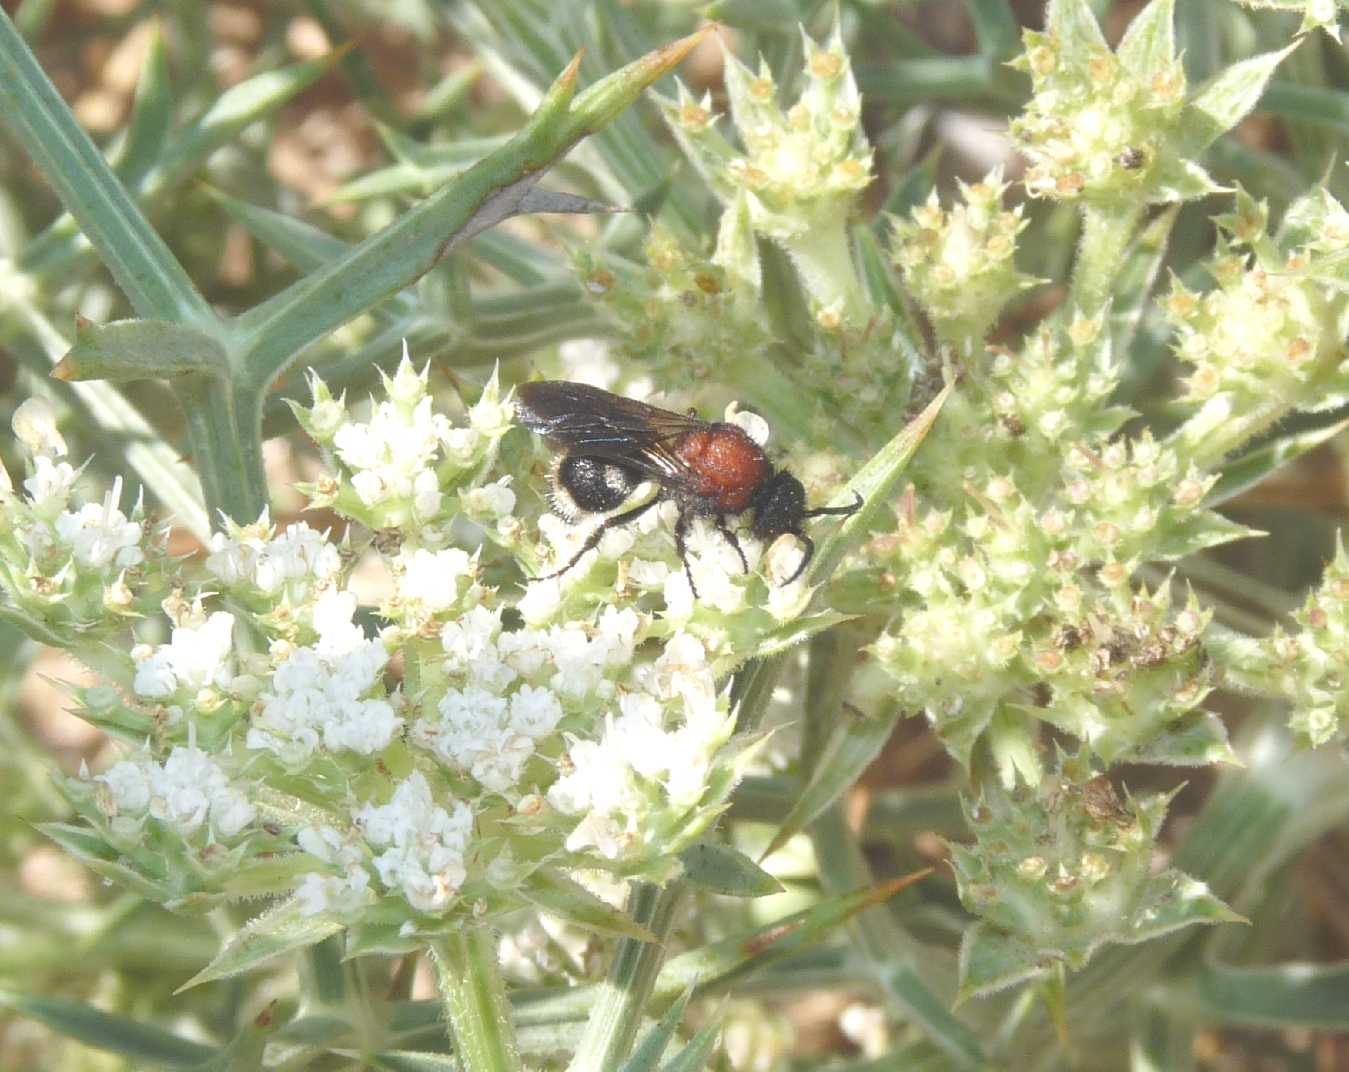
837, 511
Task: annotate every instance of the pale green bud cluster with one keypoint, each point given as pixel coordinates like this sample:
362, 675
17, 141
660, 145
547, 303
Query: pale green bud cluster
1272, 331
1308, 667
686, 317
1129, 675
1028, 408
797, 172
1060, 870
959, 264
1017, 584
1102, 126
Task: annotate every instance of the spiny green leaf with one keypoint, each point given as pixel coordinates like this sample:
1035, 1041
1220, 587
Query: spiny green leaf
1221, 104
282, 929
1251, 468
722, 869
731, 957
106, 1031
561, 896
1148, 47
139, 350
693, 1057
652, 1046
854, 741
992, 960
874, 482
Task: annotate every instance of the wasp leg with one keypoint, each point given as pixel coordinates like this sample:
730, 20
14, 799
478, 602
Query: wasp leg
592, 541
681, 526
731, 538
805, 559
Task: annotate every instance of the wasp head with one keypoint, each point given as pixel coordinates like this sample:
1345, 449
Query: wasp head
778, 505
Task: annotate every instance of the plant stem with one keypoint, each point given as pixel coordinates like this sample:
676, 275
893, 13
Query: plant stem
474, 999
617, 1012
1106, 233
823, 259
225, 441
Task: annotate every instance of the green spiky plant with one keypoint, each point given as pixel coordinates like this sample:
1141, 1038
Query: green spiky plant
349, 750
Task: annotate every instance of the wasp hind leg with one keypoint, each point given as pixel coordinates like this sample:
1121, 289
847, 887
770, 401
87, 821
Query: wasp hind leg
592, 541
681, 527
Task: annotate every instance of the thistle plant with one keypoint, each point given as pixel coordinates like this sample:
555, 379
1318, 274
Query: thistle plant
403, 732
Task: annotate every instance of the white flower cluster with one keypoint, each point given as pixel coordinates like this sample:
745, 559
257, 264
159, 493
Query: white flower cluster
641, 766
329, 693
186, 791
94, 537
424, 844
100, 536
342, 894
514, 685
393, 459
392, 456
293, 563
197, 656
423, 858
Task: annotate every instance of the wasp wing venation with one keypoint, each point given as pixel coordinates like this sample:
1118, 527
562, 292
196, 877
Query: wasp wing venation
588, 420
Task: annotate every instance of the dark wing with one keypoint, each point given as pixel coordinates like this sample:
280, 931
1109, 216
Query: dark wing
594, 422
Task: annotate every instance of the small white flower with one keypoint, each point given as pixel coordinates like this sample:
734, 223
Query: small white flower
338, 634
327, 414
320, 696
426, 495
679, 603
540, 601
470, 637
49, 486
343, 895
129, 783
525, 650
407, 385
617, 630
155, 678
187, 790
489, 416
750, 423
461, 445
34, 424
432, 577
194, 658
535, 712
494, 500
783, 558
102, 536
370, 486
294, 561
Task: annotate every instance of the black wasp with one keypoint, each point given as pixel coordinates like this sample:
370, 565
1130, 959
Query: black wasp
710, 469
